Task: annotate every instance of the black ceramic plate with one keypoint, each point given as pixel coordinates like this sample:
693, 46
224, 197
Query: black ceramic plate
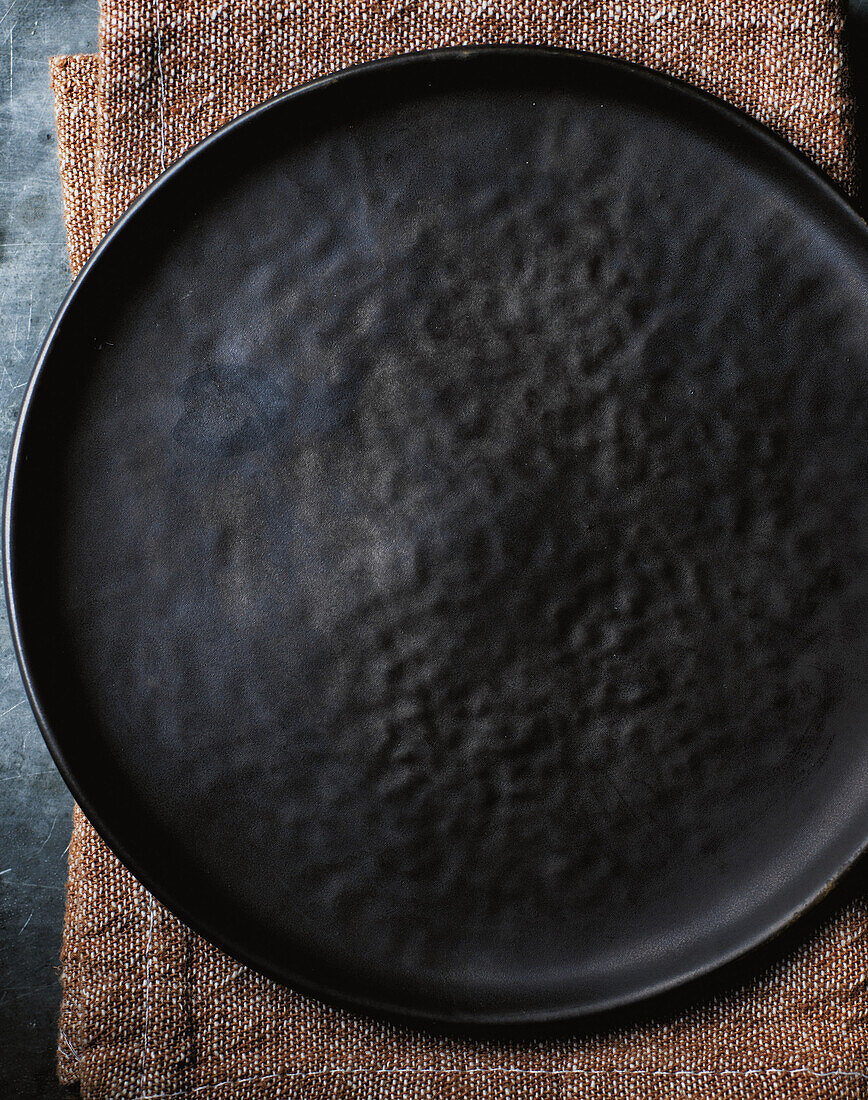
436, 536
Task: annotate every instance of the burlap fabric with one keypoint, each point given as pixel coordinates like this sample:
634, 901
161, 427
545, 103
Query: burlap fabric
149, 1009
74, 83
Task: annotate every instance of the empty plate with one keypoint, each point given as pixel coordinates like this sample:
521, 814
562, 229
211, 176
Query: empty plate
437, 536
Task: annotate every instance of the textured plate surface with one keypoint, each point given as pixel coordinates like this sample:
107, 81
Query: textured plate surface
436, 536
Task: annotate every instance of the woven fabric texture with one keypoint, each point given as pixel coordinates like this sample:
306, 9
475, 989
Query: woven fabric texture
74, 84
152, 1011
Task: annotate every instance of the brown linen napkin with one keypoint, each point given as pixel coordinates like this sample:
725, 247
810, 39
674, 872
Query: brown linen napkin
174, 70
150, 1010
74, 84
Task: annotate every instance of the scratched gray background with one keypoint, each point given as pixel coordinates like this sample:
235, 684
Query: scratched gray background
34, 804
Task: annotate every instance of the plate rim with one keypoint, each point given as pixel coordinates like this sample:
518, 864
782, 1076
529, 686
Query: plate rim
307, 983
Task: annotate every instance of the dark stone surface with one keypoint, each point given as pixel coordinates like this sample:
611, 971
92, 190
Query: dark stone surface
34, 804
856, 41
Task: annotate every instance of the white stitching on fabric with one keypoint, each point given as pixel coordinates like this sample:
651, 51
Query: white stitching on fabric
147, 990
73, 1052
518, 1071
161, 85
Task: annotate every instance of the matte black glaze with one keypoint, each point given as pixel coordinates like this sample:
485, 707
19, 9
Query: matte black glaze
438, 536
